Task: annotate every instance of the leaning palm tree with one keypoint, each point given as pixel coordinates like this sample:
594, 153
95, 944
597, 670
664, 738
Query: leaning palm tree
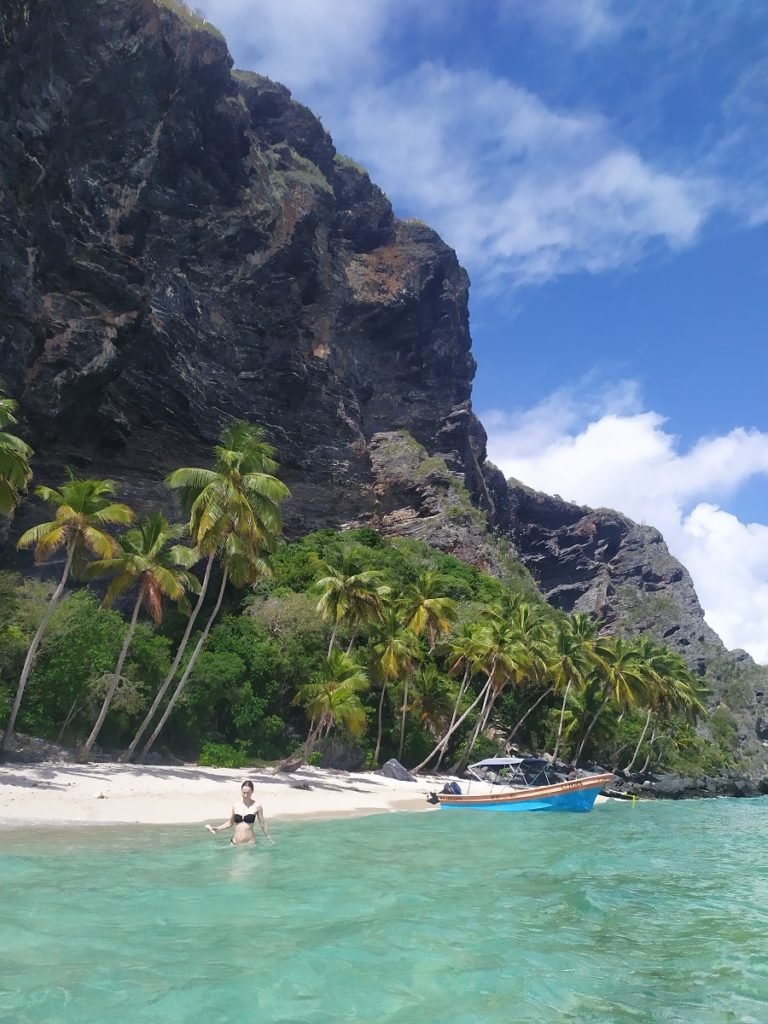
333, 700
144, 560
505, 659
537, 631
425, 610
673, 687
463, 649
572, 657
234, 515
15, 470
395, 650
350, 594
625, 680
83, 509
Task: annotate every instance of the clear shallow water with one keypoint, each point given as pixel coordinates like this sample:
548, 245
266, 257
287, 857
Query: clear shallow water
652, 914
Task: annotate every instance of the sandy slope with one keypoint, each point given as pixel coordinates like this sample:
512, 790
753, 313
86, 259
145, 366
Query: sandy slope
113, 793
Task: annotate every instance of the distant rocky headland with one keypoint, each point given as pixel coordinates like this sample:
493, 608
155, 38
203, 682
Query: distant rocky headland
183, 244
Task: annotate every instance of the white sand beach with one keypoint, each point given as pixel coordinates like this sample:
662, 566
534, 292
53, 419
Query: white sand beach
72, 794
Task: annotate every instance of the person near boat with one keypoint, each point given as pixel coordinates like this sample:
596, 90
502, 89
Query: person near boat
243, 818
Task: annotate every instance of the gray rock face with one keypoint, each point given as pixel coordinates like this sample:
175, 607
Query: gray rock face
182, 244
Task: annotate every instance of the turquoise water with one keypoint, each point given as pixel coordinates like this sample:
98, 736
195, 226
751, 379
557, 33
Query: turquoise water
652, 914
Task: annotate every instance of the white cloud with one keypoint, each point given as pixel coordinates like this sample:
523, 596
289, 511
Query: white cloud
524, 192
303, 43
620, 457
582, 22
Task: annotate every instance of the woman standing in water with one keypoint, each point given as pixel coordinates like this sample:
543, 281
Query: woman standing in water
244, 818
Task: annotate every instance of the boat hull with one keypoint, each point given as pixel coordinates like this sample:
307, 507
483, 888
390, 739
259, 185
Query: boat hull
575, 795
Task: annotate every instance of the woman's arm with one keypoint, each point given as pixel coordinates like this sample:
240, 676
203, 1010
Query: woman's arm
225, 824
262, 823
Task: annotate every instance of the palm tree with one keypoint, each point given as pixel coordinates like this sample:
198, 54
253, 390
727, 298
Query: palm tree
83, 509
433, 698
334, 699
624, 678
143, 560
350, 594
505, 658
674, 686
233, 514
395, 649
537, 631
15, 470
426, 609
462, 650
573, 655
585, 702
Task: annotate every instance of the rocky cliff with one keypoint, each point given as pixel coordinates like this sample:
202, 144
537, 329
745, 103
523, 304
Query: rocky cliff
182, 243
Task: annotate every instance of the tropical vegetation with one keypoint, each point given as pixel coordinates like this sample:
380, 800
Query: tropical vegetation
252, 648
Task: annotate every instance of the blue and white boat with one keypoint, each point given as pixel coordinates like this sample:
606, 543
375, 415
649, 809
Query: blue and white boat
522, 784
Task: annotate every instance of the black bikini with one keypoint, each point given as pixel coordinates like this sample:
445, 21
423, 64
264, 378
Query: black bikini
248, 819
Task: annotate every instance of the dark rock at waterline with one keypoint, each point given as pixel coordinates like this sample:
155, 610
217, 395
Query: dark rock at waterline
392, 769
681, 787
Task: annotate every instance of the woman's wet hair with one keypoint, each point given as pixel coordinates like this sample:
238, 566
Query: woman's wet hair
247, 784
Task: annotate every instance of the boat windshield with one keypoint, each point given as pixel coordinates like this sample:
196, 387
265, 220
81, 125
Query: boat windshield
516, 771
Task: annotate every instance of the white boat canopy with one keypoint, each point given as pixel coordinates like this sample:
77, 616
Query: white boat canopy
507, 762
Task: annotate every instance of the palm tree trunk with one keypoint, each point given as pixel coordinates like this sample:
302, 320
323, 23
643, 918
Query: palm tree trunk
482, 721
457, 725
404, 712
640, 741
190, 665
590, 727
560, 726
530, 710
85, 750
651, 741
380, 723
70, 715
333, 638
174, 667
456, 706
29, 661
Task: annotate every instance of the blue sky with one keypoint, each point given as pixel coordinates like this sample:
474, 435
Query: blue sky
601, 168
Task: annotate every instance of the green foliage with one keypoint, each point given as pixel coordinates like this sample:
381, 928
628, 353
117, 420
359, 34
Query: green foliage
723, 729
236, 691
80, 647
684, 752
223, 755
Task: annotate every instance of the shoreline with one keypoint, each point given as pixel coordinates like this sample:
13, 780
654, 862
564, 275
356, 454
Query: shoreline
54, 795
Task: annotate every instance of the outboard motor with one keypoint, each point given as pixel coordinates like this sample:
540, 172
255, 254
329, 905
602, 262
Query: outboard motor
452, 788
